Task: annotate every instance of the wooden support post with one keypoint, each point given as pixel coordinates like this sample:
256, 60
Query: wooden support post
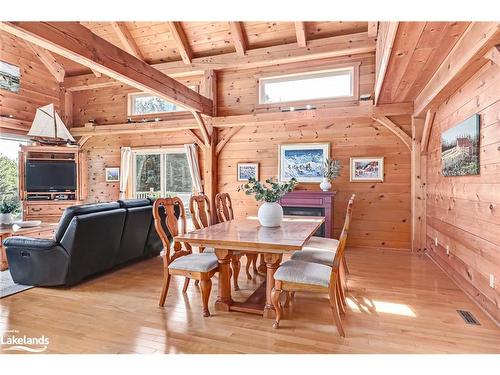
418, 188
210, 171
66, 106
208, 88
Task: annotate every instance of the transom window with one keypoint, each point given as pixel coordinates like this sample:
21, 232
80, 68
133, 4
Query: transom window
147, 104
327, 84
161, 173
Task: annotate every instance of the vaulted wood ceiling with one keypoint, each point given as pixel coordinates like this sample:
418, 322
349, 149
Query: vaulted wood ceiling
157, 44
419, 49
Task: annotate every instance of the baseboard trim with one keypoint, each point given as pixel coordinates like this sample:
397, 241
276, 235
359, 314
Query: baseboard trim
458, 281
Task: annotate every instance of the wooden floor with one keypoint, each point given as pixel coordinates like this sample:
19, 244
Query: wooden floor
399, 303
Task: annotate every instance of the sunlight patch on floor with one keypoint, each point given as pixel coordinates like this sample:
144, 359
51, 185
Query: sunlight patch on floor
366, 305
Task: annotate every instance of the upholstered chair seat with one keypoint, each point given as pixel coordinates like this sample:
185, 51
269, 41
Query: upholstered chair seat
318, 250
203, 262
300, 272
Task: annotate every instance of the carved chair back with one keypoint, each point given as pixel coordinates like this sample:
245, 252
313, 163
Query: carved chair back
199, 205
170, 221
339, 255
224, 207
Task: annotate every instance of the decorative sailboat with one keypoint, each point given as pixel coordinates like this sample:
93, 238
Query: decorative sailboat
48, 128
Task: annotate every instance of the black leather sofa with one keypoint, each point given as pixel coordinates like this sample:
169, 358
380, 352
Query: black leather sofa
90, 239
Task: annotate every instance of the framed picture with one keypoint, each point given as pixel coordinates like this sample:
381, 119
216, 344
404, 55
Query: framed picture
248, 170
367, 169
460, 149
9, 77
113, 174
302, 161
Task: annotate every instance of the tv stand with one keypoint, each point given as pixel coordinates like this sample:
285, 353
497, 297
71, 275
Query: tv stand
48, 206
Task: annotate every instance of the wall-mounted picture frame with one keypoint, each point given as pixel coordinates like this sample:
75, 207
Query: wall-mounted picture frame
10, 76
302, 161
460, 149
367, 169
113, 174
245, 171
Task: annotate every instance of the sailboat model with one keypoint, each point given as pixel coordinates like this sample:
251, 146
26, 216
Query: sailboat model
48, 128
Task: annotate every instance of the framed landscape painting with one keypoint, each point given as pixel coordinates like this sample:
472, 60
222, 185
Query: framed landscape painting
9, 77
460, 149
367, 169
113, 174
302, 161
246, 171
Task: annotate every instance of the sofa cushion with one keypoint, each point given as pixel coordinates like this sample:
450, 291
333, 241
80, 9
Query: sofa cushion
131, 203
135, 233
71, 212
195, 262
296, 271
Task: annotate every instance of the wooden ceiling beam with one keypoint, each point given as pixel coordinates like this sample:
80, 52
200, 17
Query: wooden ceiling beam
126, 39
372, 29
203, 128
466, 57
429, 120
395, 129
77, 43
182, 41
337, 46
49, 61
494, 54
384, 49
300, 32
239, 38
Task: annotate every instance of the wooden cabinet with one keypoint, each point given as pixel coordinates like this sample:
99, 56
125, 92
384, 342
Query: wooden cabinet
50, 208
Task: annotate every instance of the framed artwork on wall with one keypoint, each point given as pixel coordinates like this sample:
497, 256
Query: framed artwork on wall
245, 171
367, 169
302, 161
113, 174
460, 149
9, 77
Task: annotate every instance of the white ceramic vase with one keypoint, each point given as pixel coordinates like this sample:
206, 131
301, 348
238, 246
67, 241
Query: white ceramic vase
270, 214
325, 184
6, 219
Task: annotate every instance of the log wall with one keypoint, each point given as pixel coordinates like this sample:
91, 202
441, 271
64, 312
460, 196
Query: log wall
463, 213
38, 87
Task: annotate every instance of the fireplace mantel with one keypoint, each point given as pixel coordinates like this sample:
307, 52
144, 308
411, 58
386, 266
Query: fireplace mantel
313, 200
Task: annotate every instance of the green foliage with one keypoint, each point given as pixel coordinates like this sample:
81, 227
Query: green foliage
265, 193
8, 175
330, 169
10, 204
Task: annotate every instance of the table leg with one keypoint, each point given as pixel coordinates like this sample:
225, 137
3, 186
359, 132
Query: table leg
272, 263
224, 299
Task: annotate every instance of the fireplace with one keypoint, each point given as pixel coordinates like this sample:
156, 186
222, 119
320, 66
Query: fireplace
311, 203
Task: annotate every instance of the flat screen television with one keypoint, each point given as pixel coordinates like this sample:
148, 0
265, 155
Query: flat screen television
50, 176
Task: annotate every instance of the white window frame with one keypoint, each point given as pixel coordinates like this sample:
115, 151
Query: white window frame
157, 151
353, 69
132, 95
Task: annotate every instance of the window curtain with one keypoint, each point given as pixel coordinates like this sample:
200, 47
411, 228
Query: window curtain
194, 167
125, 165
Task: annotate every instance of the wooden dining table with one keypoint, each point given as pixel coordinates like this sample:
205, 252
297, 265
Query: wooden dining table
246, 234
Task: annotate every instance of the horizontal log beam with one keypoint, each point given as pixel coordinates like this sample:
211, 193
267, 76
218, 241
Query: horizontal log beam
79, 44
466, 57
336, 46
356, 111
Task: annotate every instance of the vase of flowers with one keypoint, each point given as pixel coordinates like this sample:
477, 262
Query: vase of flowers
270, 212
8, 206
330, 171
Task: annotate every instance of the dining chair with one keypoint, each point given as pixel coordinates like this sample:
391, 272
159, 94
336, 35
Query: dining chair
298, 275
182, 261
224, 210
322, 250
199, 206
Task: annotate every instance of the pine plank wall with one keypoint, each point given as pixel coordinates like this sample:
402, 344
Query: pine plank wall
463, 213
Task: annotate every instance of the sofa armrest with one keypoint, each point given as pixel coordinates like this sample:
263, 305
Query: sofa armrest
30, 243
